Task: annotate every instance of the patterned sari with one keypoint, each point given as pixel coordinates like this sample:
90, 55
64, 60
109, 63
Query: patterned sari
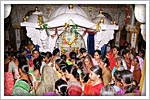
8, 83
21, 88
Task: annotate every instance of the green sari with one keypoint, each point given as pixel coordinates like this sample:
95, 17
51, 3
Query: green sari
21, 88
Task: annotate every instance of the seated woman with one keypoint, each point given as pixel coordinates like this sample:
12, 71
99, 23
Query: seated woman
23, 85
95, 83
74, 86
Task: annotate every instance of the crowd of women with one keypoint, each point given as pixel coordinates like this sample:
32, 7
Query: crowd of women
34, 73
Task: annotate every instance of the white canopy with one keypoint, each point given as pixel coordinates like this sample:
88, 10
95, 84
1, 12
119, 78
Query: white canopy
65, 9
32, 20
71, 18
97, 19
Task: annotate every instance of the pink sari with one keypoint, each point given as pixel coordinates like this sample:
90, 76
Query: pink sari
8, 83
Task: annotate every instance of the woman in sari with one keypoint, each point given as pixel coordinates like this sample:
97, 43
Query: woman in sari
95, 83
74, 86
8, 76
23, 85
48, 79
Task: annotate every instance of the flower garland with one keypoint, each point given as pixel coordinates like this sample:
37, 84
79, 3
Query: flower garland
69, 42
74, 28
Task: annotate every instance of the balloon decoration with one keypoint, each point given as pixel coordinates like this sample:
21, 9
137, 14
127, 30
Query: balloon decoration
140, 13
7, 10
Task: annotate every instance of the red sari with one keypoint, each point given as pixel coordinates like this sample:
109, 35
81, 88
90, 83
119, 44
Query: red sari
90, 90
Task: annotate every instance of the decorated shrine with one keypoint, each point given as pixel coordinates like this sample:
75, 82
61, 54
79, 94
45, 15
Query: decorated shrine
68, 28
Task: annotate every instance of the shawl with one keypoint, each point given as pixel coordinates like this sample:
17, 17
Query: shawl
21, 88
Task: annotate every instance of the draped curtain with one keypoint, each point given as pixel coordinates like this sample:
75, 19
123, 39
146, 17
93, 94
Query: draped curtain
90, 44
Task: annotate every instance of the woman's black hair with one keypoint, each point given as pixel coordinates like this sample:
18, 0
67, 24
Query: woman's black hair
6, 54
79, 63
127, 76
117, 75
97, 70
73, 70
55, 51
82, 50
22, 61
125, 51
118, 49
42, 55
48, 54
137, 60
63, 57
61, 86
35, 50
37, 64
98, 51
22, 49
73, 55
105, 60
85, 77
23, 65
63, 67
130, 88
59, 62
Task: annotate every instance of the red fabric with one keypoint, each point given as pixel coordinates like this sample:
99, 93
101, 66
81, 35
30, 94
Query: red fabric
8, 83
90, 90
31, 62
111, 60
74, 91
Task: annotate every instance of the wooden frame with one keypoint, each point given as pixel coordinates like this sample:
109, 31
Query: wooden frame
133, 37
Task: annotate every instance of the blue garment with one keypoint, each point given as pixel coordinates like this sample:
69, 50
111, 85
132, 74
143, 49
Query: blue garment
116, 88
113, 71
103, 50
37, 47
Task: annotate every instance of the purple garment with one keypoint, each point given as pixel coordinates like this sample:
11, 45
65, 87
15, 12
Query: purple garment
50, 94
120, 92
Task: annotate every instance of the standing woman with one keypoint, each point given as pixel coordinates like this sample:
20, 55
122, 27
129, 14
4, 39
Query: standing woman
95, 83
106, 73
23, 85
97, 57
87, 63
35, 54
